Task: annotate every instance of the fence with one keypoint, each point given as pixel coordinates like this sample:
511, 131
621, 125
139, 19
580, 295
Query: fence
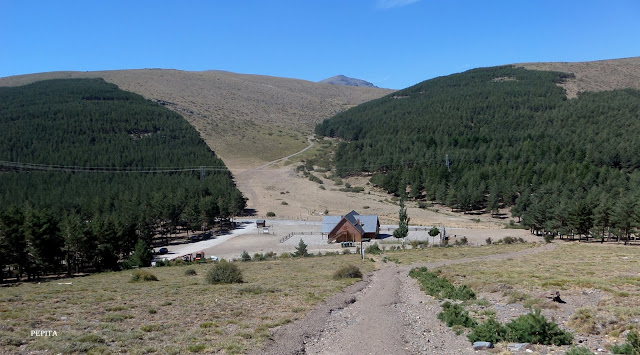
288, 236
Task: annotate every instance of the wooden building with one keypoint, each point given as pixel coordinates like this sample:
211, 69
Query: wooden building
352, 227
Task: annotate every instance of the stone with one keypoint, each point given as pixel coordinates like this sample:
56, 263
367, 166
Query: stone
517, 346
482, 345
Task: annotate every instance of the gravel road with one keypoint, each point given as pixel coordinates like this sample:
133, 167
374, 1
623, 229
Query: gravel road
385, 313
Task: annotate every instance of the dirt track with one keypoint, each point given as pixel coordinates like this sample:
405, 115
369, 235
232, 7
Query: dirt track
385, 313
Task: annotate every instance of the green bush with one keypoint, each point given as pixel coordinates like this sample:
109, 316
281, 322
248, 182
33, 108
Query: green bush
348, 272
439, 287
632, 346
142, 275
271, 214
491, 330
224, 273
455, 314
245, 256
190, 272
373, 249
534, 328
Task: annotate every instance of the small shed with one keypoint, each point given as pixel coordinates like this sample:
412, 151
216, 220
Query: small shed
261, 223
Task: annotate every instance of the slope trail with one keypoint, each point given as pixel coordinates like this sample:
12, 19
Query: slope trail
385, 313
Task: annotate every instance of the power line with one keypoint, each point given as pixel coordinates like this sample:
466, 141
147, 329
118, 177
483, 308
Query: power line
93, 169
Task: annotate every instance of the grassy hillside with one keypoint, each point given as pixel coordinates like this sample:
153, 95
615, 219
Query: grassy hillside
245, 119
601, 75
88, 169
512, 139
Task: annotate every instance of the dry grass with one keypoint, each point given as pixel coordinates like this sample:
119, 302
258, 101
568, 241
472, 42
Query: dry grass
427, 255
595, 76
177, 314
577, 269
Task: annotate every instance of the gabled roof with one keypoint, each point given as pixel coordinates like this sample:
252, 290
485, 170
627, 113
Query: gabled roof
368, 224
329, 222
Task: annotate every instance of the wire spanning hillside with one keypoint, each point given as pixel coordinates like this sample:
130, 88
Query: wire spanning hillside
502, 136
102, 168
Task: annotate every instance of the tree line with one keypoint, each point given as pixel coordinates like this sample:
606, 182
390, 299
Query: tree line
114, 169
502, 137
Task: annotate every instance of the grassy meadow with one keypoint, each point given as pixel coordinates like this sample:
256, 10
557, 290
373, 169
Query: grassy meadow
180, 313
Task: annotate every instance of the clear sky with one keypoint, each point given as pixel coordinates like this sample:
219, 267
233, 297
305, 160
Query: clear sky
391, 43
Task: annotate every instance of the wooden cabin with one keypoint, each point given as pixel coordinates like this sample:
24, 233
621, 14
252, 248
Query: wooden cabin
352, 227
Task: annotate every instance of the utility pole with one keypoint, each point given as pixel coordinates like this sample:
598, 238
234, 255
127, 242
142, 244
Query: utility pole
202, 173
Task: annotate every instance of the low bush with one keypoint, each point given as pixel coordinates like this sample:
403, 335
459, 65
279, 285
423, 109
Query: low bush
245, 256
347, 272
373, 249
224, 273
534, 328
439, 287
190, 272
142, 275
491, 330
271, 214
455, 314
632, 346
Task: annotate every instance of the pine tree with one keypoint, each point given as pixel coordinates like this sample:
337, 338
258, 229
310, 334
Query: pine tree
301, 249
403, 221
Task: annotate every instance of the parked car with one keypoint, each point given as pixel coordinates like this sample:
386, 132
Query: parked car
163, 251
213, 258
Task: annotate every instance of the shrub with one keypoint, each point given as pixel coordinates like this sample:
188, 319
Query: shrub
284, 203
142, 275
373, 249
190, 272
632, 346
245, 256
491, 330
534, 328
224, 273
259, 257
347, 272
439, 287
346, 251
271, 214
548, 238
455, 314
488, 241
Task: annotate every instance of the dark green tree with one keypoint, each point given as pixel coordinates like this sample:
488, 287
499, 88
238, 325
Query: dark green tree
142, 255
403, 221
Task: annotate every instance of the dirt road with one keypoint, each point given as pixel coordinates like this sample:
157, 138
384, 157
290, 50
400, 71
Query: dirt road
385, 313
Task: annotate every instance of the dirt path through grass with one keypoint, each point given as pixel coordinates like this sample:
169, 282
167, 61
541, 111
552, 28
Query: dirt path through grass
385, 313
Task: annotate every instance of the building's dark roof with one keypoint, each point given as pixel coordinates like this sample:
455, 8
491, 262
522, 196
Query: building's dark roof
260, 221
368, 223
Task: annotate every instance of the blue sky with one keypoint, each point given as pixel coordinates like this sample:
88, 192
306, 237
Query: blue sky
392, 43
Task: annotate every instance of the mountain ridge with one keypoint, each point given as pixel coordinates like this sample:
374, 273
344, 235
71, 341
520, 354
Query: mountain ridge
347, 81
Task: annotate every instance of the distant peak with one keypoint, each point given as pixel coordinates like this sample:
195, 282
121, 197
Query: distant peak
345, 80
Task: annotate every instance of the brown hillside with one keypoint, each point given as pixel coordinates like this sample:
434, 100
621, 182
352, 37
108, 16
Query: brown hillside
245, 119
599, 75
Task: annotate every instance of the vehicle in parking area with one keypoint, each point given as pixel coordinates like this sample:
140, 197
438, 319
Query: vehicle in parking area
214, 258
199, 256
163, 251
